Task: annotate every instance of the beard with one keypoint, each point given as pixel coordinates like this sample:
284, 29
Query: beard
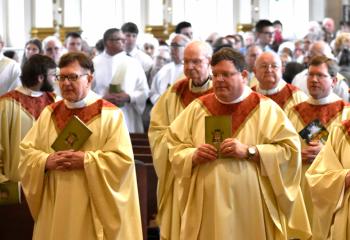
46, 87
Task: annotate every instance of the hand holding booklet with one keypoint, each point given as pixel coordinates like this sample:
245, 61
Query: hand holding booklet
73, 136
217, 129
314, 131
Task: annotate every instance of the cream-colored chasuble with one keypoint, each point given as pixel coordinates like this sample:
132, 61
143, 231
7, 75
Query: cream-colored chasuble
167, 108
97, 202
233, 198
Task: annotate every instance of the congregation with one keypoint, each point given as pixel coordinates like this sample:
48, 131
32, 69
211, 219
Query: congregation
281, 173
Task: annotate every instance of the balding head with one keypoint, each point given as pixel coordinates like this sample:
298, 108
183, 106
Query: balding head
268, 70
320, 48
177, 47
197, 61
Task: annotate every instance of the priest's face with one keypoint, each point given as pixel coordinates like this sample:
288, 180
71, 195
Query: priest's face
228, 82
196, 64
74, 82
268, 70
319, 82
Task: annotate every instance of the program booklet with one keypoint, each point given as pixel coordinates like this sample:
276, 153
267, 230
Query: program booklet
73, 136
217, 129
314, 131
10, 193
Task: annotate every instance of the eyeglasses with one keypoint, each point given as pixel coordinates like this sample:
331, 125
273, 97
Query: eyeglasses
117, 39
50, 49
318, 75
224, 75
267, 66
193, 61
269, 33
70, 77
175, 45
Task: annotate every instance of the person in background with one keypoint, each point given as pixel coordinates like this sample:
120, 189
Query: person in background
184, 28
19, 109
53, 48
9, 72
264, 34
12, 54
131, 31
94, 185
252, 190
73, 42
172, 71
253, 51
33, 46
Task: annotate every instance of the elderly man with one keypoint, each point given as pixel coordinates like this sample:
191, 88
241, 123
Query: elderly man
251, 190
321, 48
113, 66
322, 105
168, 107
53, 48
9, 72
172, 71
90, 192
268, 72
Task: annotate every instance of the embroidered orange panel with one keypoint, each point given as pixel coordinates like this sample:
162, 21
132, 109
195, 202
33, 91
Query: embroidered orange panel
182, 89
33, 105
325, 113
62, 114
239, 111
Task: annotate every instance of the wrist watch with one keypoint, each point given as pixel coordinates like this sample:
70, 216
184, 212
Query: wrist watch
251, 152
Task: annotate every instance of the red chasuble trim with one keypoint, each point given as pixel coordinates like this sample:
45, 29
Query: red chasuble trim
181, 88
62, 114
325, 113
284, 96
346, 125
239, 111
33, 105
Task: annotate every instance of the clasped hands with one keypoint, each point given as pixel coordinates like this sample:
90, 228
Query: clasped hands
230, 147
117, 98
65, 160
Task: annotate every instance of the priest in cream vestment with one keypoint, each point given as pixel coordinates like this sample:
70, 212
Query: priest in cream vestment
323, 105
86, 194
252, 192
268, 71
329, 180
167, 108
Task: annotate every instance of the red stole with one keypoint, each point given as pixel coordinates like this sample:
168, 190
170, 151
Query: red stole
239, 111
186, 95
61, 114
325, 113
282, 97
33, 105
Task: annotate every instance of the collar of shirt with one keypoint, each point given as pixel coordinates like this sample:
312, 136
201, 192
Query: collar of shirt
246, 92
278, 88
202, 88
29, 92
91, 97
332, 97
133, 52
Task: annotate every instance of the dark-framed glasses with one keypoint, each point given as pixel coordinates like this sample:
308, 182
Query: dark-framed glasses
224, 75
70, 77
318, 75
